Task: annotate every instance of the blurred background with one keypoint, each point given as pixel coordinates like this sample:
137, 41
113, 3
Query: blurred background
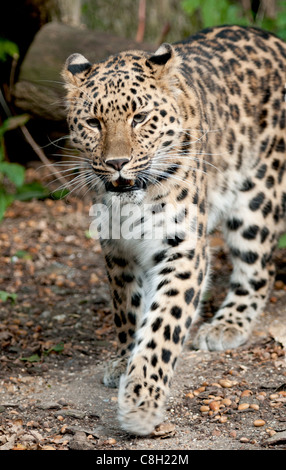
36, 36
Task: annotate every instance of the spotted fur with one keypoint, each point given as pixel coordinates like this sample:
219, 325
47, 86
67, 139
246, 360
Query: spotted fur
194, 134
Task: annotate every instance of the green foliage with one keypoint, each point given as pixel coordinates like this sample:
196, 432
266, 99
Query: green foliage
282, 241
276, 25
8, 48
59, 194
281, 20
58, 348
21, 254
14, 172
4, 296
223, 12
29, 191
31, 359
12, 175
210, 13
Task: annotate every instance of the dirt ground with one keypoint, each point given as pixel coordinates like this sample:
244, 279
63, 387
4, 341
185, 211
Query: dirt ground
57, 334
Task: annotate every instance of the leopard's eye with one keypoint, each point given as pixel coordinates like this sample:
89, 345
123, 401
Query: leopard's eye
139, 118
94, 123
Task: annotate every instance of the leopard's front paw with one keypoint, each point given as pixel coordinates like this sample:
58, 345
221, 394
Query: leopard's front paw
219, 336
113, 372
141, 405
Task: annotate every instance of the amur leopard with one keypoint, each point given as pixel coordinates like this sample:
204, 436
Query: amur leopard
177, 142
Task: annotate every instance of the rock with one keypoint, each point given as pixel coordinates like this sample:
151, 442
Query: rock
80, 442
48, 406
94, 432
71, 413
277, 438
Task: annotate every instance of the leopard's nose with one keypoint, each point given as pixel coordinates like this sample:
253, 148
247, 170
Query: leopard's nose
117, 163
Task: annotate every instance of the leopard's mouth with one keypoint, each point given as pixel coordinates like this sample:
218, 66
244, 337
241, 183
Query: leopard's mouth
122, 185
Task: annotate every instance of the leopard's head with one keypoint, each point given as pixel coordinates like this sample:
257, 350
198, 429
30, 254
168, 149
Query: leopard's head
124, 116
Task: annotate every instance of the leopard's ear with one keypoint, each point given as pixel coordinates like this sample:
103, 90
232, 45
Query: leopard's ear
75, 69
162, 55
165, 63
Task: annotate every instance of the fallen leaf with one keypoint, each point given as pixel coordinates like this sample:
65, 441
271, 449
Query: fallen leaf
47, 447
33, 358
19, 447
164, 430
9, 444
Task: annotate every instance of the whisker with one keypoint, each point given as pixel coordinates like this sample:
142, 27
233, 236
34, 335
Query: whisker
66, 173
90, 187
202, 130
76, 186
166, 175
163, 158
177, 165
195, 141
65, 167
76, 157
70, 164
187, 152
158, 162
73, 180
54, 142
146, 177
83, 182
50, 81
81, 177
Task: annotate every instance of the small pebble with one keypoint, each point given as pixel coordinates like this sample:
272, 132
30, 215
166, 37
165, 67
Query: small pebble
243, 406
223, 419
254, 406
258, 422
32, 424
225, 383
111, 441
214, 405
279, 285
199, 390
204, 408
64, 429
215, 384
260, 397
226, 401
